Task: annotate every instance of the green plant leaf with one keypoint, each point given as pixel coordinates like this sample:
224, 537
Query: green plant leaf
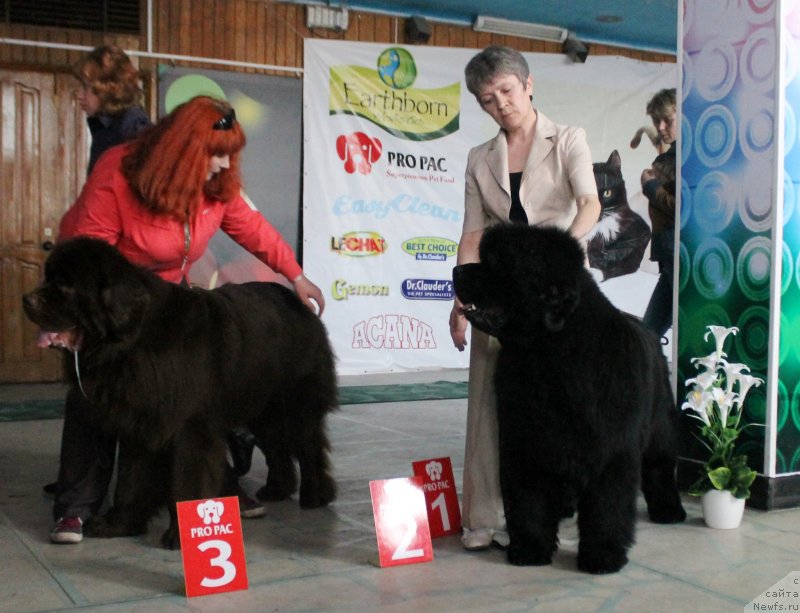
720, 477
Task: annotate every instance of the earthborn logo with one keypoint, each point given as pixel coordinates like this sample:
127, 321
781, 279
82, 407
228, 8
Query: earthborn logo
385, 96
430, 248
358, 244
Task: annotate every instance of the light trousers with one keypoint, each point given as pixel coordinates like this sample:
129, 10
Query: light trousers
481, 500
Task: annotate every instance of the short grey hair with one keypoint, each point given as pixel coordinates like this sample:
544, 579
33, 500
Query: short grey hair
492, 62
663, 104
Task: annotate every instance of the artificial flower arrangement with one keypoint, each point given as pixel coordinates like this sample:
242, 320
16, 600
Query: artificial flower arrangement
717, 399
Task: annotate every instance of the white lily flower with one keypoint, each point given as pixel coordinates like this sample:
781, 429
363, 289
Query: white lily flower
720, 334
724, 402
697, 401
745, 383
705, 380
708, 362
732, 374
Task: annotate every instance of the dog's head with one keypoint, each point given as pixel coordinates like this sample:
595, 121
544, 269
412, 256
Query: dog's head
90, 293
526, 284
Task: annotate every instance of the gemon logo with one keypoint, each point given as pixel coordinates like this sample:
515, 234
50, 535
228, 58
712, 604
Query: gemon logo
431, 248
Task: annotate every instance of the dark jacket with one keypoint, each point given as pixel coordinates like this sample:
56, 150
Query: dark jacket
110, 130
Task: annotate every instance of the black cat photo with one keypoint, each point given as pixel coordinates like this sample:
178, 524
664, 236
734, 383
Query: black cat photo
617, 243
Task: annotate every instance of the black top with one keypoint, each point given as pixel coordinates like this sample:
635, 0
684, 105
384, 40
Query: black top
517, 213
110, 130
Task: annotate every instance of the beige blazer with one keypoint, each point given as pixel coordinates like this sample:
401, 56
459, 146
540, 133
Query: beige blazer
558, 170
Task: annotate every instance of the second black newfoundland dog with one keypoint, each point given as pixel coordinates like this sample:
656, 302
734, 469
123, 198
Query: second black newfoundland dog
171, 370
585, 410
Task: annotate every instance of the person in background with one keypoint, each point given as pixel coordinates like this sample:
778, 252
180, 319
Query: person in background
533, 172
109, 92
159, 199
658, 186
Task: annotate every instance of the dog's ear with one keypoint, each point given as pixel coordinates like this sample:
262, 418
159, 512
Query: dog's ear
125, 302
559, 302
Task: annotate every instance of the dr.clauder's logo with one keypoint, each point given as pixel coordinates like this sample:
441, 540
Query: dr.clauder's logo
358, 151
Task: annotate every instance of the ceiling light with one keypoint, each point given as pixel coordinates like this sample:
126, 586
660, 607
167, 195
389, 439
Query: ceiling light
496, 25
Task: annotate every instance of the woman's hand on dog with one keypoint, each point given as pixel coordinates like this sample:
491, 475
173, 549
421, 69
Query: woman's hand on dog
458, 326
309, 294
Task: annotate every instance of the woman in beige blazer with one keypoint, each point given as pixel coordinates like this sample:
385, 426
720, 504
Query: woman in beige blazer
536, 172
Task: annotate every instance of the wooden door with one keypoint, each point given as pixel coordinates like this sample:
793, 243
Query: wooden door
43, 153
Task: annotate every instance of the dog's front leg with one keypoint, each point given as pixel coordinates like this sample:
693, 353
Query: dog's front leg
198, 472
138, 494
532, 515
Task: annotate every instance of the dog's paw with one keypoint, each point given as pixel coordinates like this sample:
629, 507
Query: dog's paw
319, 495
106, 527
273, 493
171, 538
667, 515
601, 561
527, 556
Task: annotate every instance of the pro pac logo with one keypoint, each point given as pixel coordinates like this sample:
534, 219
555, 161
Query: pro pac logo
359, 244
358, 151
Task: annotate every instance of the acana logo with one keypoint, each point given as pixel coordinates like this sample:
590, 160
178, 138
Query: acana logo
359, 244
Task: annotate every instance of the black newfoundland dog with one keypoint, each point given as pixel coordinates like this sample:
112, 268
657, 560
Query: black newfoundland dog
585, 410
171, 370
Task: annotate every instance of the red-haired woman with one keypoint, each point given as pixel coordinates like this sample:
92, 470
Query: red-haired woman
159, 200
110, 94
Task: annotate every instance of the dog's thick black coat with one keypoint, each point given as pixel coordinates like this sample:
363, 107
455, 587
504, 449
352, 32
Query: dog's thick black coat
171, 370
585, 410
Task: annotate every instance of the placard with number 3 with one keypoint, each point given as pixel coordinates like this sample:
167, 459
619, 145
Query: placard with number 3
212, 546
401, 521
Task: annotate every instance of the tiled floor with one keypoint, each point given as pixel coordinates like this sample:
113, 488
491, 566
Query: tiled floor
326, 560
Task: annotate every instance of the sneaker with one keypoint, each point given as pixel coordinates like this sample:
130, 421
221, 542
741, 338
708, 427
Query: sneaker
68, 530
568, 531
249, 508
477, 540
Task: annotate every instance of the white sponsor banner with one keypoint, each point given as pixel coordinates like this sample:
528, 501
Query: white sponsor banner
387, 130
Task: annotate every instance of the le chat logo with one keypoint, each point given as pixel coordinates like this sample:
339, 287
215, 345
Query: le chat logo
430, 248
359, 244
427, 289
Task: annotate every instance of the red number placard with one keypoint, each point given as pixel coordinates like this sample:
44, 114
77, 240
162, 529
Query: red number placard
401, 521
441, 497
212, 546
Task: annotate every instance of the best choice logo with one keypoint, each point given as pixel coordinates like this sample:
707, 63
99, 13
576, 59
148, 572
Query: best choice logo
359, 244
430, 248
427, 289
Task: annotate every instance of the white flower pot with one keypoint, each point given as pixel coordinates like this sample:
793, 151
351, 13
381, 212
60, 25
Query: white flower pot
721, 510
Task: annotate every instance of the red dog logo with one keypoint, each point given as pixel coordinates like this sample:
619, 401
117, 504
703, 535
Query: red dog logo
358, 151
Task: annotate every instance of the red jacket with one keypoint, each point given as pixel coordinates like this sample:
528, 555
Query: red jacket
108, 209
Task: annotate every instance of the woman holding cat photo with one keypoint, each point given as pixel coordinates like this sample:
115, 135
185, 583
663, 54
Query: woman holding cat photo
535, 172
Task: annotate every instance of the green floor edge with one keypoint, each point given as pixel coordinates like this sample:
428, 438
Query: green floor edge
353, 394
